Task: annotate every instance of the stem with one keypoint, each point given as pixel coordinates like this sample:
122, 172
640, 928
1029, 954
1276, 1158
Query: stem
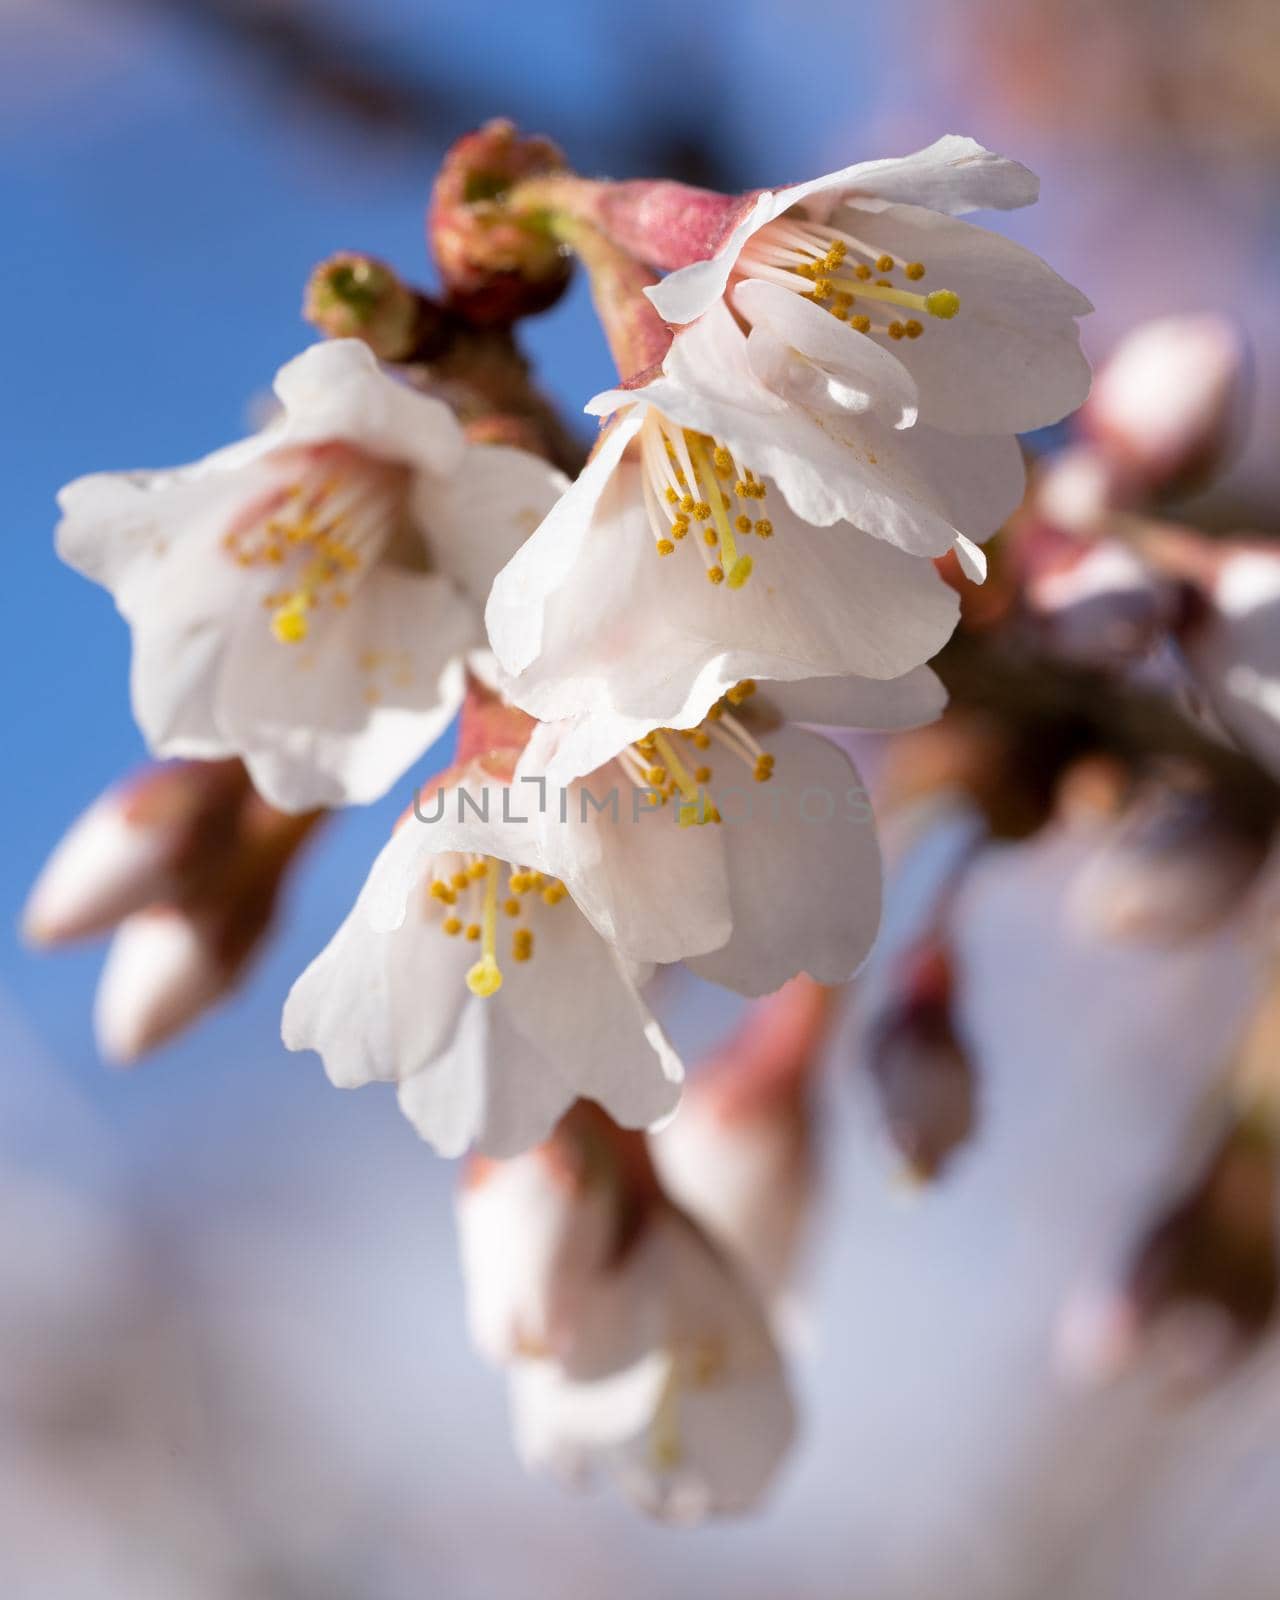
638, 337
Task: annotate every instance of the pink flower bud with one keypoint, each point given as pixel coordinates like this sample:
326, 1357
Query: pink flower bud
740, 1155
921, 1071
1203, 1282
1175, 866
161, 973
1172, 400
1077, 489
1098, 602
112, 861
495, 265
188, 860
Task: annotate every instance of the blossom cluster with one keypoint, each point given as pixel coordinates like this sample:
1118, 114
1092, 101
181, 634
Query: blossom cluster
656, 663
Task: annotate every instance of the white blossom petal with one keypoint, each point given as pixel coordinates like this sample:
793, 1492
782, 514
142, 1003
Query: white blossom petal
792, 339
910, 701
1010, 359
477, 519
804, 871
953, 175
337, 390
649, 642
336, 718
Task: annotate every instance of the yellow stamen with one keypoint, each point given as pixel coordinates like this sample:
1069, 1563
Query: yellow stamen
289, 621
485, 978
737, 568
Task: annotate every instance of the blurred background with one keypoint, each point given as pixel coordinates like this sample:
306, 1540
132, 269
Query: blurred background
232, 1354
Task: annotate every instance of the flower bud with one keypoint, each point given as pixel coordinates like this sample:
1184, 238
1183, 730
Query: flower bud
740, 1156
496, 265
1172, 400
1174, 866
1077, 489
352, 296
188, 861
161, 973
921, 1071
1233, 643
632, 1344
1097, 603
1204, 1277
132, 847
103, 868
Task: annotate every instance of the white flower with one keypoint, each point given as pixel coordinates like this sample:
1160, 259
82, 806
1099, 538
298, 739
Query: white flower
479, 988
535, 1236
633, 1348
741, 1158
832, 274
742, 845
607, 610
697, 1424
304, 599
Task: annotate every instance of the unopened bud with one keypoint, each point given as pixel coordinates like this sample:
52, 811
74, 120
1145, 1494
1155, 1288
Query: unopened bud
1174, 866
1077, 489
1232, 643
161, 973
353, 296
1172, 400
106, 866
541, 1233
921, 1071
497, 264
188, 860
740, 1156
1097, 603
1204, 1277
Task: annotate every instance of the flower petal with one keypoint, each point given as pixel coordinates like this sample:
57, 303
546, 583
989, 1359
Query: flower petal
650, 643
804, 871
378, 1006
337, 718
575, 1005
910, 701
337, 390
793, 339
954, 174
477, 519
1010, 360
911, 486
491, 1088
516, 613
